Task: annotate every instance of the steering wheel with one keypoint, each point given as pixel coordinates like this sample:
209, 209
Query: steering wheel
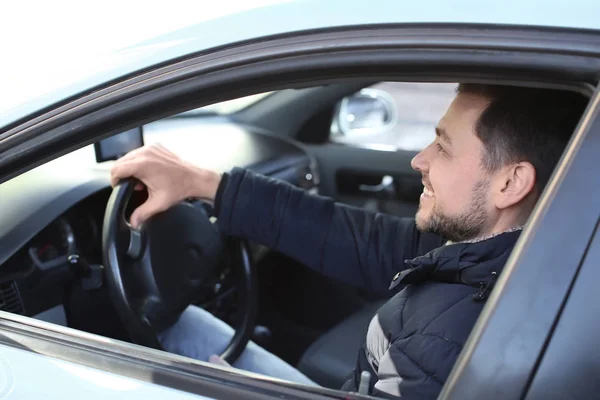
156, 272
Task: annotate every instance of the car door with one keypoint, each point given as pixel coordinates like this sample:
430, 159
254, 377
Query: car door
27, 375
569, 366
364, 160
43, 360
538, 328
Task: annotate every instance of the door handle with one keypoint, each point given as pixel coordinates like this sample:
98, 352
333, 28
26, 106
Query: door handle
386, 185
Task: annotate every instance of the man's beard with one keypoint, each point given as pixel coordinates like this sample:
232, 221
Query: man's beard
465, 226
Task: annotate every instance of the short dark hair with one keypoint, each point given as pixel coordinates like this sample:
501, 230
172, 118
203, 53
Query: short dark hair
526, 124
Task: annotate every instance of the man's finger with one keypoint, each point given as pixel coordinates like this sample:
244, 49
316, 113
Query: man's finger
124, 170
149, 208
162, 149
127, 157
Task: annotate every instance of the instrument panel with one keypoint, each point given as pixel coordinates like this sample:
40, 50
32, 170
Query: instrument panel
39, 274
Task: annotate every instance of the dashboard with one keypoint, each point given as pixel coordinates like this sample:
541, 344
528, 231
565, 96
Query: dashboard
55, 211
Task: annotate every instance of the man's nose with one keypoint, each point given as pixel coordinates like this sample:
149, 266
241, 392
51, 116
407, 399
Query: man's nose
419, 162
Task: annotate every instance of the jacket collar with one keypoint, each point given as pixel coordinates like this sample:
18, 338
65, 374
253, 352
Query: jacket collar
474, 264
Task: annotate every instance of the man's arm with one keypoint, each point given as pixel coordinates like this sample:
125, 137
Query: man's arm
350, 244
356, 246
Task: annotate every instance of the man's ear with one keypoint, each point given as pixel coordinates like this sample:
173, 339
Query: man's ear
515, 182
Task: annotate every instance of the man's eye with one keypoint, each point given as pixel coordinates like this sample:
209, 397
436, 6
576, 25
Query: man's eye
439, 147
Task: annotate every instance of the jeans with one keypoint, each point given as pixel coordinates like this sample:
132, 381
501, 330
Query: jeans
198, 334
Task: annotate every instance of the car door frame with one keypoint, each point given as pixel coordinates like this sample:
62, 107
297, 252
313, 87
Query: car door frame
424, 52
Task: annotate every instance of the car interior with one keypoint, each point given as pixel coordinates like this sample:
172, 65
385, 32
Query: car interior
351, 141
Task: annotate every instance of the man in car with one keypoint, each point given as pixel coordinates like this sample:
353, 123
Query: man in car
494, 151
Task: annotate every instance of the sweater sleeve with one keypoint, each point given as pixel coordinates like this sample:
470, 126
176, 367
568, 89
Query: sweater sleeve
359, 247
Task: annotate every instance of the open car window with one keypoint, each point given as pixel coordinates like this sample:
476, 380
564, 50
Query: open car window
74, 223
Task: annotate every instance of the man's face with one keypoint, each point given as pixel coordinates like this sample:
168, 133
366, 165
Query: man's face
455, 201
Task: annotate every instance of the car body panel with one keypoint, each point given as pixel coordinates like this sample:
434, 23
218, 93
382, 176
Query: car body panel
112, 359
570, 344
27, 375
57, 85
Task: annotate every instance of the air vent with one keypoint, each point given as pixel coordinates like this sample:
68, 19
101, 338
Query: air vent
10, 300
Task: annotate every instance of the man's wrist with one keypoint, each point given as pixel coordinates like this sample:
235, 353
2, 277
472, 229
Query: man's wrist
204, 184
219, 195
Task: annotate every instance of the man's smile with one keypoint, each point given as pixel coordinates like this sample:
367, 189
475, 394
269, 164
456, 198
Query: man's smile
427, 192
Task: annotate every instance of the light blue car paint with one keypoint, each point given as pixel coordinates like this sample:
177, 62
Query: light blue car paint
25, 375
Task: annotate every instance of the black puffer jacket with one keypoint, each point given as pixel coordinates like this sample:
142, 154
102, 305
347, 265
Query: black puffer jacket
415, 338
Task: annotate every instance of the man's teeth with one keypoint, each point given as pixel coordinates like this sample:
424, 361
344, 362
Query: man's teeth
427, 192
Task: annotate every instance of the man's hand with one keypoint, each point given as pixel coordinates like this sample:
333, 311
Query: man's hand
168, 178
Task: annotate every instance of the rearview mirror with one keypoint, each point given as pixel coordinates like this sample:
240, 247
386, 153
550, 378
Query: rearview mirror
369, 111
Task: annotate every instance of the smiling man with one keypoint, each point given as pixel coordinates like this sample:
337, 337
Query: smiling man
494, 151
480, 174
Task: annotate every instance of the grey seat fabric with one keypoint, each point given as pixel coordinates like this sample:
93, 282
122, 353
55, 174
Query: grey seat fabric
331, 358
